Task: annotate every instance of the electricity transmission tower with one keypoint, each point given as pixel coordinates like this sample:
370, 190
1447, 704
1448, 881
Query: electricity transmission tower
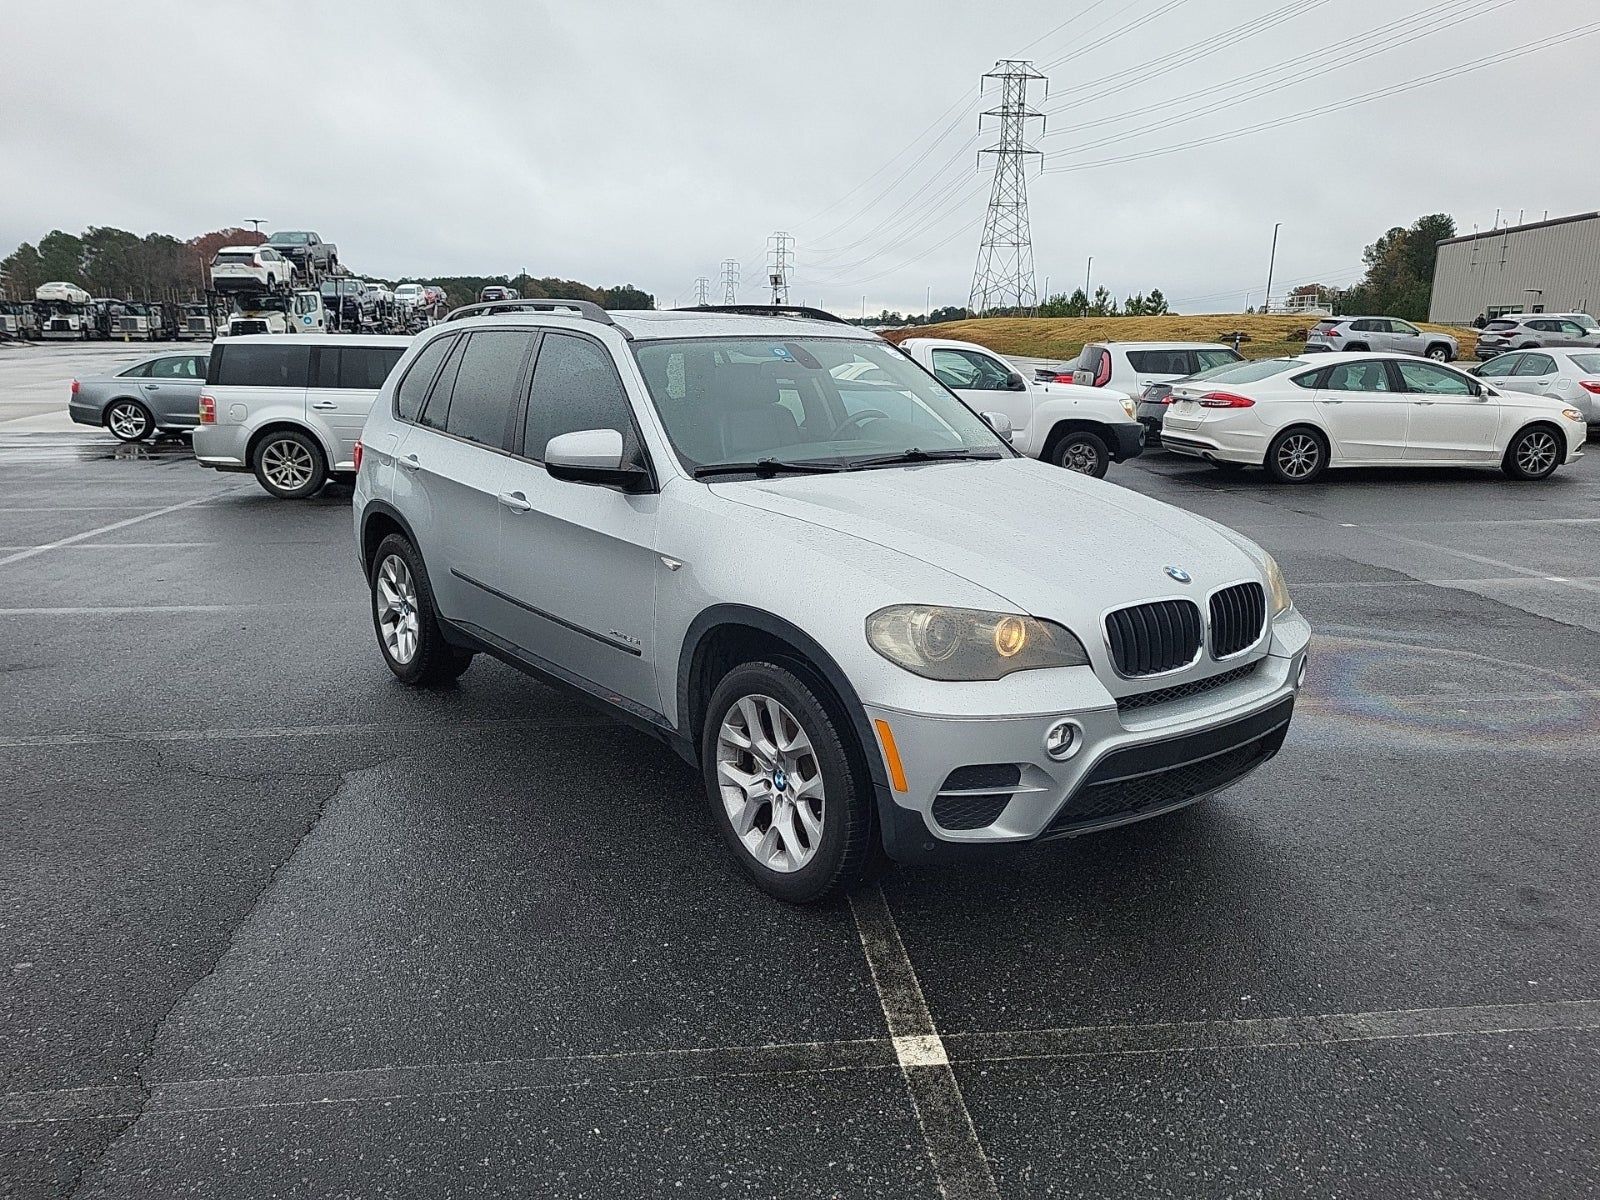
702, 290
780, 259
730, 281
1004, 275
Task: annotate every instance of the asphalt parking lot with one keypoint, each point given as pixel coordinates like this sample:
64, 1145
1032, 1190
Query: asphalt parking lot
272, 925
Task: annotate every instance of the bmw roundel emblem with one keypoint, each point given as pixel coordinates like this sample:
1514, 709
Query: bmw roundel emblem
1177, 573
779, 779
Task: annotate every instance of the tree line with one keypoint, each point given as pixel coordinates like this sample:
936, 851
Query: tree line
105, 261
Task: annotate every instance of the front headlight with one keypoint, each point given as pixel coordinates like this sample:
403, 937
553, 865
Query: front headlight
1128, 406
1277, 587
1572, 414
968, 643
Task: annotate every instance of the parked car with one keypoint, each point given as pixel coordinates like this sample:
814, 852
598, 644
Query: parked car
312, 256
864, 629
1535, 331
1131, 367
290, 407
494, 292
1151, 406
1380, 334
1570, 376
65, 293
250, 269
1296, 417
1084, 429
157, 393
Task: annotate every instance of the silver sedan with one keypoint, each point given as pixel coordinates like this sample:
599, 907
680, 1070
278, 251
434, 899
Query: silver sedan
158, 393
1572, 375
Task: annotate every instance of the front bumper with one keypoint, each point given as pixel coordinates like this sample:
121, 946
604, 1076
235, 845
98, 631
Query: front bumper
1129, 441
975, 784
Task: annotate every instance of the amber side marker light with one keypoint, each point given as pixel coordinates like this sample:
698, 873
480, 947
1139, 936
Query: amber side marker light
891, 756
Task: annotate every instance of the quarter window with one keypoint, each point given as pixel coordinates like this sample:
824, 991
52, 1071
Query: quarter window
575, 386
1435, 381
413, 388
142, 371
485, 388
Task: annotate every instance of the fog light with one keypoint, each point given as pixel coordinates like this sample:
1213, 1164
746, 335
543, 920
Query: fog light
1062, 740
1300, 675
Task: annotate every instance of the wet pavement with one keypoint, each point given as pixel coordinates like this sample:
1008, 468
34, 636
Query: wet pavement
272, 925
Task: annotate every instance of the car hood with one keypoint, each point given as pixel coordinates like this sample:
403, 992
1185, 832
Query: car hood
1079, 391
1052, 543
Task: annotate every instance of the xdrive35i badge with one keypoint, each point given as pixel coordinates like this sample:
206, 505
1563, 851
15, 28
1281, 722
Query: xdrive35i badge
1178, 573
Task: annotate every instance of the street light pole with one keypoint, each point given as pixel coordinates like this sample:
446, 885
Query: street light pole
1087, 272
1266, 304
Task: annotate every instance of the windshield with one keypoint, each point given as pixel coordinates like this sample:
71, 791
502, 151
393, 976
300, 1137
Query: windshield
1586, 321
1251, 372
288, 239
803, 400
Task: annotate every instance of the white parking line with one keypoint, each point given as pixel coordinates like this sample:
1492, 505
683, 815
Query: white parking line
1485, 560
80, 610
27, 742
958, 1159
123, 524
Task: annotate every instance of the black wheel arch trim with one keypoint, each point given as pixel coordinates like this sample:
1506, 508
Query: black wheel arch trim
375, 508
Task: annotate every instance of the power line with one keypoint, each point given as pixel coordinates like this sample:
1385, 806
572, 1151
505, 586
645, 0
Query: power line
1323, 110
1004, 272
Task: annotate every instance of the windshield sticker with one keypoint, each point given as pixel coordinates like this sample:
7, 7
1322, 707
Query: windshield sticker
783, 353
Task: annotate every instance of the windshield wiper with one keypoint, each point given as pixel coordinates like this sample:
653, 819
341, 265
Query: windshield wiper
766, 467
915, 455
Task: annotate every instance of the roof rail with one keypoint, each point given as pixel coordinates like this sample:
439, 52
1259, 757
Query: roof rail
768, 310
587, 309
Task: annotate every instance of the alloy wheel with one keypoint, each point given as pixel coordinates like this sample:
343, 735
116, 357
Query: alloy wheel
127, 421
287, 464
394, 595
1299, 456
771, 783
1439, 354
1536, 452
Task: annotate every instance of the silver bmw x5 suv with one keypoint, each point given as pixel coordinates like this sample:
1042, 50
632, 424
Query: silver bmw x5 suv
778, 544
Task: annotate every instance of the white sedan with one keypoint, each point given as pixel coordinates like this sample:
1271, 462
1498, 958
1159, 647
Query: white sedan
1296, 417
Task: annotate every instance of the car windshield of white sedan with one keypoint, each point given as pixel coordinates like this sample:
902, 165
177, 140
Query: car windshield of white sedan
1254, 372
818, 403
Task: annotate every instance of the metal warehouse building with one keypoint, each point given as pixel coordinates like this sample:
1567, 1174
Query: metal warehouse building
1547, 266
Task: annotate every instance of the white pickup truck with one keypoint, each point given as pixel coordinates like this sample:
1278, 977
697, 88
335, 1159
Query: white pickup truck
1084, 429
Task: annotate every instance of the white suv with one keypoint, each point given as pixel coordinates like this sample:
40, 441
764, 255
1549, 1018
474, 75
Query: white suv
251, 269
776, 544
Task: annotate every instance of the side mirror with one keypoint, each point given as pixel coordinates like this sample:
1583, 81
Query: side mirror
593, 456
998, 422
1016, 383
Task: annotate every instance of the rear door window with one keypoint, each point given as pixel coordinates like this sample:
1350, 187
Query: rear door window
484, 391
1369, 376
179, 367
362, 368
260, 365
1536, 364
1500, 366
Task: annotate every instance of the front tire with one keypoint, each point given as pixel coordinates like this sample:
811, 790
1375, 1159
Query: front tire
785, 793
1534, 453
1297, 455
1439, 352
1083, 452
129, 421
406, 619
290, 465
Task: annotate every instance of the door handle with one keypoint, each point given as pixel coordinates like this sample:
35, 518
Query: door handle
515, 501
409, 463
324, 405
1333, 401
154, 387
1422, 402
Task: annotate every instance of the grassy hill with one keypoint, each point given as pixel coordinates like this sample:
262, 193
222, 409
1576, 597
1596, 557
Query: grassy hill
1064, 337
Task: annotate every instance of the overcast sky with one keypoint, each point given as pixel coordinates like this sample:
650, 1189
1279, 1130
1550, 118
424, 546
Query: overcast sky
646, 142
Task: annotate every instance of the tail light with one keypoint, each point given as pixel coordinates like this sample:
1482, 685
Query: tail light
1329, 332
1588, 385
208, 409
74, 387
1168, 398
1062, 379
1225, 400
1102, 370
356, 458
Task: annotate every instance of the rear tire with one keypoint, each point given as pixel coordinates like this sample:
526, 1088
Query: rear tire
1083, 452
290, 465
406, 620
1297, 455
1534, 453
786, 794
129, 421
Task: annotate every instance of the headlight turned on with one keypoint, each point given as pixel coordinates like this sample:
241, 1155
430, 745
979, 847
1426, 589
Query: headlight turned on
1277, 587
969, 644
